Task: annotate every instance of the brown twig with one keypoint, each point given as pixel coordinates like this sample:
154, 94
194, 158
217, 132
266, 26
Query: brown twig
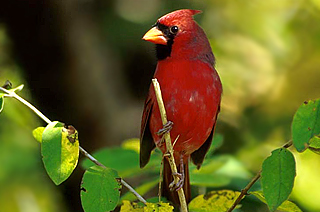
244, 191
182, 198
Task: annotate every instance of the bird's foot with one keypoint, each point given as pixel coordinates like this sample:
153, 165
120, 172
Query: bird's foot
166, 128
177, 186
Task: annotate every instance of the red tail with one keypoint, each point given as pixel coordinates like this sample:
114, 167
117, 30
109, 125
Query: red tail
172, 196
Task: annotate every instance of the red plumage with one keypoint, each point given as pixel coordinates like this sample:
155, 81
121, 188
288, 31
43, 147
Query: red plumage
191, 91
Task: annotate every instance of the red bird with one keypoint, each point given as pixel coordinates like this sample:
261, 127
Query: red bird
191, 91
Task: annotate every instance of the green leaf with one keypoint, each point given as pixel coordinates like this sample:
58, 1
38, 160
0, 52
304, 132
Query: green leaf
60, 151
100, 189
209, 180
1, 103
218, 171
286, 206
125, 161
142, 190
150, 207
277, 177
37, 133
214, 201
306, 124
314, 144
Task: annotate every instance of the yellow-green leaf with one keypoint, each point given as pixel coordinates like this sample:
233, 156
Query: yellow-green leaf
214, 201
60, 151
286, 206
314, 144
37, 133
130, 207
150, 207
158, 207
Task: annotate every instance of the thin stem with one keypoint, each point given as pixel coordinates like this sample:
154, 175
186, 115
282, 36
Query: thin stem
182, 198
255, 179
26, 103
160, 179
140, 198
124, 183
90, 157
244, 191
83, 151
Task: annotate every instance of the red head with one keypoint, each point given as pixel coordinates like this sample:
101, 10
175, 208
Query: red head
181, 18
178, 35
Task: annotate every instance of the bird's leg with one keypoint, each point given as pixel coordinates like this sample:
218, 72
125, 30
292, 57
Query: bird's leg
177, 186
166, 128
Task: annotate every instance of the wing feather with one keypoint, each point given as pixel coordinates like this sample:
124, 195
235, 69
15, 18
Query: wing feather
146, 141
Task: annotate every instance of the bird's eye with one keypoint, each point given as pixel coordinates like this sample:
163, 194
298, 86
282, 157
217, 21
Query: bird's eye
174, 29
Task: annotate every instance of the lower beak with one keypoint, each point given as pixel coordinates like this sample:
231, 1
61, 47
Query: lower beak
155, 36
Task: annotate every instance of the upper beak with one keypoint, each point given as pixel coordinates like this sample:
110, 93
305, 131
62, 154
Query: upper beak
155, 36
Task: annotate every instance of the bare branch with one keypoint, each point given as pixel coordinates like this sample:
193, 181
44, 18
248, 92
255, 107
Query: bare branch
167, 138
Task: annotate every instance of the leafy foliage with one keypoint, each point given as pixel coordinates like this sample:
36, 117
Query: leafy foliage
37, 133
8, 86
306, 124
314, 144
214, 201
125, 159
285, 206
149, 207
278, 173
218, 171
142, 189
100, 189
59, 152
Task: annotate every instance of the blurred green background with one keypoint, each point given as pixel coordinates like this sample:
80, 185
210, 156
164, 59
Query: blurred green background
84, 63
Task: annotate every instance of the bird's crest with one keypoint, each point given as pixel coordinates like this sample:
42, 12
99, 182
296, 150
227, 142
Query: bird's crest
178, 15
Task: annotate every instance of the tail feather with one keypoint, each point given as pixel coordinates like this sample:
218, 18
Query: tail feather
172, 196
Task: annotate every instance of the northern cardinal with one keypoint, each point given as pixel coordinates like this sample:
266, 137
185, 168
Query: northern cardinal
191, 91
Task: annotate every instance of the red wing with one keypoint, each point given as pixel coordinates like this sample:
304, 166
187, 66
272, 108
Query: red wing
198, 155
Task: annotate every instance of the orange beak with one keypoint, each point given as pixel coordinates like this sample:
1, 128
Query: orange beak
155, 36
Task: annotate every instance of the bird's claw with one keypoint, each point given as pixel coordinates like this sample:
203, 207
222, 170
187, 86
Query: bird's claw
177, 186
166, 128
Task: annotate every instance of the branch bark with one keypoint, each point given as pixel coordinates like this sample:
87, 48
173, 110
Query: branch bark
167, 138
